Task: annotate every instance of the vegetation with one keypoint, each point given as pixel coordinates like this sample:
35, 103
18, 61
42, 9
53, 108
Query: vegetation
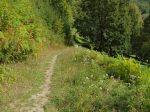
144, 6
26, 30
110, 24
30, 25
141, 45
89, 81
103, 78
19, 81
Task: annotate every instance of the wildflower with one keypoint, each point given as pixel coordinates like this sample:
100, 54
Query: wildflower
88, 51
106, 75
87, 78
100, 88
112, 77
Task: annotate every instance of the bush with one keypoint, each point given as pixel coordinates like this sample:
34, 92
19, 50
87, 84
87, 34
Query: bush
125, 69
122, 68
17, 46
92, 56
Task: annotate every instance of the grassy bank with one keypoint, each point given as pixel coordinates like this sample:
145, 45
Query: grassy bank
87, 81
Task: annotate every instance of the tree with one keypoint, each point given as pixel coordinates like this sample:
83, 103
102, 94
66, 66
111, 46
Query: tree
67, 10
108, 24
143, 51
137, 25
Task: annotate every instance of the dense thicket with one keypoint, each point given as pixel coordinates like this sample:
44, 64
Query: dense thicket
26, 26
23, 28
110, 24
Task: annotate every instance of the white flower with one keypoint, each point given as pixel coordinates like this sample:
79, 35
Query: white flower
87, 78
100, 88
106, 75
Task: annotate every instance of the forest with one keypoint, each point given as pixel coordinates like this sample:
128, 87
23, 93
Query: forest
107, 51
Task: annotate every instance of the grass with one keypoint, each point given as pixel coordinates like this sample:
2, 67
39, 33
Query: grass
29, 76
70, 79
81, 83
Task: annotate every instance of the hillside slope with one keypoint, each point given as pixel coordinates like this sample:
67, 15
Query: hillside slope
23, 29
33, 36
88, 81
27, 26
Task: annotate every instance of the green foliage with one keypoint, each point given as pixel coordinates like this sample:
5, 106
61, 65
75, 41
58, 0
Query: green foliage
58, 26
4, 16
122, 68
141, 45
30, 25
26, 27
125, 69
136, 20
83, 41
7, 75
109, 24
145, 50
68, 12
143, 5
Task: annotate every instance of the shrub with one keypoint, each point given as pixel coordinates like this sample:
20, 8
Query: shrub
92, 56
125, 69
128, 70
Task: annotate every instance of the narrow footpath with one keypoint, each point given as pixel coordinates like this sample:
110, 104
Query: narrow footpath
40, 99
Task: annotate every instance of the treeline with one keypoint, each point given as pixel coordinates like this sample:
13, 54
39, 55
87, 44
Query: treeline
115, 27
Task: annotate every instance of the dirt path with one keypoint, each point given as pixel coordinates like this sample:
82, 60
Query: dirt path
36, 102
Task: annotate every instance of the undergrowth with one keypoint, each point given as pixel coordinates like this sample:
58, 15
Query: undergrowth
26, 27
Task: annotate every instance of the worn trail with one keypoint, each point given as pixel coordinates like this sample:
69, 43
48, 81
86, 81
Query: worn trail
36, 102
